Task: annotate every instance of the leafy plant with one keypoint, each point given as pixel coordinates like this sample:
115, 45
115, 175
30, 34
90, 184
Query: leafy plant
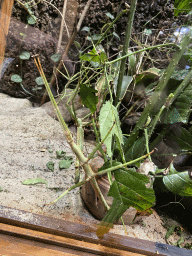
102, 85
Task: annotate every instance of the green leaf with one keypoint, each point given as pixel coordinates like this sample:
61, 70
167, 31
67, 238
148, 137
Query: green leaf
91, 56
1, 189
125, 84
182, 6
116, 35
31, 19
56, 57
88, 97
180, 109
34, 181
147, 32
132, 64
183, 138
39, 81
95, 56
96, 37
16, 78
109, 118
65, 164
24, 55
136, 150
115, 212
130, 188
50, 166
110, 15
179, 183
170, 231
60, 154
87, 29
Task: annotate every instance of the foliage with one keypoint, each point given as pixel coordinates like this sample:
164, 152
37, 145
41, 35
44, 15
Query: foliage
102, 85
109, 123
182, 6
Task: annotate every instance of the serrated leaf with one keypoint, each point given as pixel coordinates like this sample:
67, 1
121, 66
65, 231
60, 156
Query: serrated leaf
24, 55
34, 181
39, 81
88, 97
115, 212
56, 57
109, 118
16, 78
128, 189
136, 150
179, 183
183, 138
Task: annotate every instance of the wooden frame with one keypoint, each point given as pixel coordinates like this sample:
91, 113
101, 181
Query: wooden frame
34, 234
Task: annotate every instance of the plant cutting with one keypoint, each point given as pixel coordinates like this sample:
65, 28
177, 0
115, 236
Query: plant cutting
127, 186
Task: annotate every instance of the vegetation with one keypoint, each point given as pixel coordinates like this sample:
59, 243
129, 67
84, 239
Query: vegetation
102, 85
103, 98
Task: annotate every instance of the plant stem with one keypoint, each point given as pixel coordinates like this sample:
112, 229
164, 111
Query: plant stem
147, 142
114, 168
112, 23
76, 149
142, 50
125, 49
157, 100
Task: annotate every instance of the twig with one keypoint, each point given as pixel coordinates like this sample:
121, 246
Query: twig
83, 15
62, 25
59, 13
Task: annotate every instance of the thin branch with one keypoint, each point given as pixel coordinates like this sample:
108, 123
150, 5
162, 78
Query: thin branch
62, 26
83, 15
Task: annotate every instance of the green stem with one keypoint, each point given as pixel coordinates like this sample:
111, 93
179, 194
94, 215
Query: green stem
157, 100
76, 149
91, 155
142, 50
147, 142
181, 87
114, 168
80, 140
110, 26
125, 49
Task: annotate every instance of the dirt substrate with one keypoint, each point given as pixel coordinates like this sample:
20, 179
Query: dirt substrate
29, 139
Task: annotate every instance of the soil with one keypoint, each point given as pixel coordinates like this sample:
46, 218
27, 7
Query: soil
28, 133
29, 139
